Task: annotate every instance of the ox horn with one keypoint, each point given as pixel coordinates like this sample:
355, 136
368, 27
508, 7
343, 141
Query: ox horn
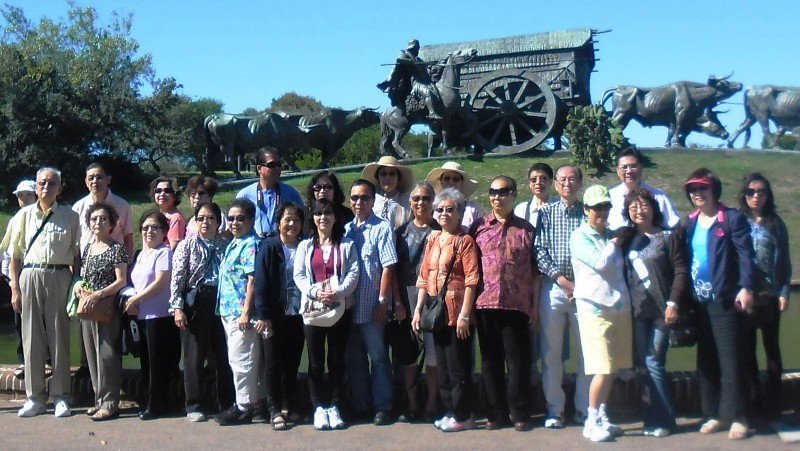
370, 109
712, 76
720, 112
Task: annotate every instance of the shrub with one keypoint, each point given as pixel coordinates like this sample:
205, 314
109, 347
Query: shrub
594, 139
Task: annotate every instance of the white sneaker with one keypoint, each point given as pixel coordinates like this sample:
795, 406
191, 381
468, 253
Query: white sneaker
458, 426
553, 423
62, 409
656, 432
442, 422
334, 419
196, 417
610, 427
31, 409
594, 431
321, 419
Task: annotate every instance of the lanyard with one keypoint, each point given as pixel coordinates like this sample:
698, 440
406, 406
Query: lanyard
263, 207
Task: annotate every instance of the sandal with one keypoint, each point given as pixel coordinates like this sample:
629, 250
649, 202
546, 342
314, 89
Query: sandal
711, 426
92, 410
105, 414
19, 372
739, 431
279, 422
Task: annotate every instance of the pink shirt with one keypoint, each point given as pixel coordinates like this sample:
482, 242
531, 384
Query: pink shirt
177, 226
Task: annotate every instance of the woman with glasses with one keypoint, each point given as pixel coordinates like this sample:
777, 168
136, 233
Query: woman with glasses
160, 339
167, 196
201, 189
658, 279
277, 313
193, 301
451, 175
393, 182
325, 185
720, 254
446, 248
236, 300
773, 273
603, 305
105, 269
410, 243
328, 254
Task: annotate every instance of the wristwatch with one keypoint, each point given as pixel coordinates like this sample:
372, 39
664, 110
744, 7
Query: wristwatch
383, 300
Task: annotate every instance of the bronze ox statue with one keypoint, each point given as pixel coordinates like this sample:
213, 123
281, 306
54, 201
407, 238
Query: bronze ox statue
683, 106
781, 104
236, 134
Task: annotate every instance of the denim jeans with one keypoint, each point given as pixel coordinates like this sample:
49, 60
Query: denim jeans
651, 342
368, 340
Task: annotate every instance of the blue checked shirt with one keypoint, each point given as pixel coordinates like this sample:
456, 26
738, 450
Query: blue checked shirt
374, 240
555, 225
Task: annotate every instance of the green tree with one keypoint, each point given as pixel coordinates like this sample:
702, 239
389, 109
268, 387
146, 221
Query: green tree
294, 103
594, 138
68, 90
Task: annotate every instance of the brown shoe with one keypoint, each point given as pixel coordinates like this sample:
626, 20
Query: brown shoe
522, 426
496, 425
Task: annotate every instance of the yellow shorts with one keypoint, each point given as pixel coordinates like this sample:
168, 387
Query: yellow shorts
606, 341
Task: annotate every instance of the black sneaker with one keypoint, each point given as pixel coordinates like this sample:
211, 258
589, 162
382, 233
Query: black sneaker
233, 416
382, 418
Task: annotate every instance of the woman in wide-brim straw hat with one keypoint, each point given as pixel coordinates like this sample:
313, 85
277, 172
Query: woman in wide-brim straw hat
393, 181
452, 175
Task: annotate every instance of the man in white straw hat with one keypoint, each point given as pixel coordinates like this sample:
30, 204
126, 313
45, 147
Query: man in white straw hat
393, 182
452, 175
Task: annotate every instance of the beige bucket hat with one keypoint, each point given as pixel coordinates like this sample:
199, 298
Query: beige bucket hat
468, 187
406, 181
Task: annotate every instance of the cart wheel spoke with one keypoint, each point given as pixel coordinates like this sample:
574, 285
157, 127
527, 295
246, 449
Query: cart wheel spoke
530, 101
494, 96
496, 134
506, 89
488, 121
526, 126
513, 131
521, 91
534, 114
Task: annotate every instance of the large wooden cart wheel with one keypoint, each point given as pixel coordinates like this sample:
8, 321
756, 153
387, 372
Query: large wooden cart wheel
514, 111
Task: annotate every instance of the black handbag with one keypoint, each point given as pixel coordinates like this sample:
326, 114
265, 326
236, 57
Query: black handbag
434, 317
683, 332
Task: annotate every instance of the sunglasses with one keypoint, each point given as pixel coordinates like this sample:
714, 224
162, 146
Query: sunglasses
750, 192
164, 190
318, 188
697, 188
363, 198
272, 164
441, 210
500, 192
148, 228
237, 218
420, 198
205, 218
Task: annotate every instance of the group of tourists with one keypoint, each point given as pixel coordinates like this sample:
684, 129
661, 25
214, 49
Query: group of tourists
247, 287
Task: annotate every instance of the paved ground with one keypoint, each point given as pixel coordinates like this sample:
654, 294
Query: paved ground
128, 432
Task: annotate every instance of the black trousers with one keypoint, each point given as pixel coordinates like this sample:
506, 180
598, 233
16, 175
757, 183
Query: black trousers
767, 318
720, 361
323, 395
204, 338
454, 366
504, 337
282, 353
161, 352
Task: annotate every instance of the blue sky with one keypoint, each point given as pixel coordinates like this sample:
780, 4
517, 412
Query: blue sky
244, 53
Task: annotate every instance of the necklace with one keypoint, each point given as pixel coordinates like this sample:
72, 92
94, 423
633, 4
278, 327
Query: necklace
326, 252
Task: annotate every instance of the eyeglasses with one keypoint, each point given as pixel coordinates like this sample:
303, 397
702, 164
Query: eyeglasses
420, 198
500, 192
697, 188
164, 190
750, 192
318, 188
363, 198
565, 180
100, 219
624, 167
147, 228
237, 218
324, 213
452, 178
601, 207
639, 206
197, 193
441, 210
205, 218
275, 164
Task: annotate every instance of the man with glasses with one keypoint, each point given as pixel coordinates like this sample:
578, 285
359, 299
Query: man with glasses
97, 181
554, 226
506, 307
374, 239
629, 170
268, 192
44, 254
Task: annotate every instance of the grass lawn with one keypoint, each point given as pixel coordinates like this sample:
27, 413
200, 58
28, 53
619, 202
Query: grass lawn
667, 170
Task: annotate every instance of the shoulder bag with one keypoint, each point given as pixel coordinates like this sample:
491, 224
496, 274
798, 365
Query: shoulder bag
434, 317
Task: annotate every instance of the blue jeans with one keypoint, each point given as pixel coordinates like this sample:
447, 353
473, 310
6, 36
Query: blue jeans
651, 342
368, 340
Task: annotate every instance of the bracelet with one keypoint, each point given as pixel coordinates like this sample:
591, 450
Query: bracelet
462, 317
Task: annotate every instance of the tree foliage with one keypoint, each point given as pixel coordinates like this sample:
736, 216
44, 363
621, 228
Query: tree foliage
594, 139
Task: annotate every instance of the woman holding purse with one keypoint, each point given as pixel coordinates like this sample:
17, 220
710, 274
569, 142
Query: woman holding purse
193, 301
105, 270
451, 258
